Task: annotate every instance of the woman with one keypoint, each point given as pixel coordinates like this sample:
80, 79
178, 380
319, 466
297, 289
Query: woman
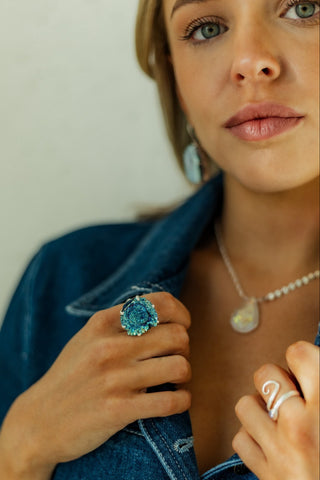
244, 77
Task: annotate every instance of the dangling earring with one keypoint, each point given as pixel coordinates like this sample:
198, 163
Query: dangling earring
195, 160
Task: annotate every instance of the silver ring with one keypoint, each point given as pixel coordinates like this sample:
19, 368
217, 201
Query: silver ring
273, 408
274, 392
274, 412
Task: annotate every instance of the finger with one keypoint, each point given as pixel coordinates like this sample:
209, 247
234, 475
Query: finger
169, 308
272, 382
250, 452
158, 404
167, 339
254, 418
157, 371
303, 359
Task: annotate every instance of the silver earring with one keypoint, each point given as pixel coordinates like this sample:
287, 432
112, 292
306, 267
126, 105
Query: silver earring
195, 160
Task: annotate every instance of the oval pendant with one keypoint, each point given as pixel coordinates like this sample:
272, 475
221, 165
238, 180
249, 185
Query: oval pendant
246, 318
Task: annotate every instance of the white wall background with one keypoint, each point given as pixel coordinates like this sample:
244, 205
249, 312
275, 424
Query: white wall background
81, 135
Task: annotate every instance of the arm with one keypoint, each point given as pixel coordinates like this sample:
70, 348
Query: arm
17, 461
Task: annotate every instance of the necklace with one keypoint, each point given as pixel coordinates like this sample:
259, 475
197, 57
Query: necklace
246, 318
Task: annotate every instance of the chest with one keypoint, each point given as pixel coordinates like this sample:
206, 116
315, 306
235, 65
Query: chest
223, 361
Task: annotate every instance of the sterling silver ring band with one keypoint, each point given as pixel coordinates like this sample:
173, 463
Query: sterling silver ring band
274, 411
273, 405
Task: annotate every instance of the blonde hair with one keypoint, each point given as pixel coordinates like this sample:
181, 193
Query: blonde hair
153, 55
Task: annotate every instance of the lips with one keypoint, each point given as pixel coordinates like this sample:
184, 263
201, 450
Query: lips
262, 121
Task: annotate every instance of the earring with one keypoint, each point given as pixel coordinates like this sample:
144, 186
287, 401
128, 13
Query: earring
195, 160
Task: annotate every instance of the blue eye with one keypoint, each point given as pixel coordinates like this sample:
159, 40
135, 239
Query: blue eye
303, 10
210, 30
204, 29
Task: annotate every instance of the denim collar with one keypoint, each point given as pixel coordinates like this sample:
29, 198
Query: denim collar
159, 262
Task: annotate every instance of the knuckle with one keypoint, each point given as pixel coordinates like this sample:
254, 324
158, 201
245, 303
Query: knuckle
115, 406
169, 302
100, 352
169, 404
112, 350
112, 382
96, 321
180, 335
188, 318
237, 441
298, 433
263, 373
100, 321
185, 400
176, 402
181, 368
242, 405
296, 350
94, 354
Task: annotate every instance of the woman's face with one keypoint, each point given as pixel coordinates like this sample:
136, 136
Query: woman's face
264, 54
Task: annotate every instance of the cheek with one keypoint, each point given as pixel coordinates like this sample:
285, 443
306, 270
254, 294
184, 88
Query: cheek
198, 97
304, 62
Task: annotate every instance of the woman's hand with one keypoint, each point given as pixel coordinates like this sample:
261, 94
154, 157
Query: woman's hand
98, 385
288, 448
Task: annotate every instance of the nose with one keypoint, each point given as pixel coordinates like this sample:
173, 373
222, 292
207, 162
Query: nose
254, 57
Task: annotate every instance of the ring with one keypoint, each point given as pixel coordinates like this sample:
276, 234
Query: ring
274, 412
138, 315
273, 408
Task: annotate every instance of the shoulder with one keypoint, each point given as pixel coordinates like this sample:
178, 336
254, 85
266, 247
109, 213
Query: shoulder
92, 252
98, 239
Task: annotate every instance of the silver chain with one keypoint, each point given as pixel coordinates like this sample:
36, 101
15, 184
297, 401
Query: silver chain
300, 282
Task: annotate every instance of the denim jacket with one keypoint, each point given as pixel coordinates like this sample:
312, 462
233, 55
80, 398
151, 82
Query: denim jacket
92, 269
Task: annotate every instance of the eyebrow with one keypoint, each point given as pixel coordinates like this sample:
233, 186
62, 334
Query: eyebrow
181, 3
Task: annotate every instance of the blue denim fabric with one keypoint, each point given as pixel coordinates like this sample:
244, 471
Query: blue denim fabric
95, 268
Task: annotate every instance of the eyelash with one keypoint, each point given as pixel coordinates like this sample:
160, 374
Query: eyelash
294, 3
198, 23
202, 22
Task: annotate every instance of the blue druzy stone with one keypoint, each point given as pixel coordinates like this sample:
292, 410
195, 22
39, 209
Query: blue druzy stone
138, 315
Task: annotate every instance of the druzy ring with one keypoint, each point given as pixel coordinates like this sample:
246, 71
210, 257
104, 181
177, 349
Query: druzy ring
138, 315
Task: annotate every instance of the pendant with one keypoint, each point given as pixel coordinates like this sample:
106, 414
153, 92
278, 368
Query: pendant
246, 318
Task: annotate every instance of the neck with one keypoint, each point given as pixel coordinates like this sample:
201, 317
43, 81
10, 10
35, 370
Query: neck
273, 231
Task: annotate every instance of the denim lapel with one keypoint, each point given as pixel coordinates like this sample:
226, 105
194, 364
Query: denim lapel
160, 260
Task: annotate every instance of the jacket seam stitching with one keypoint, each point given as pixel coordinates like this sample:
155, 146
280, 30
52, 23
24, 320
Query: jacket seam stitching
160, 454
168, 447
220, 468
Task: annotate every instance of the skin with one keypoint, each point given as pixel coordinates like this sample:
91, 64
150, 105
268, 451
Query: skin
110, 372
289, 448
279, 177
262, 54
229, 76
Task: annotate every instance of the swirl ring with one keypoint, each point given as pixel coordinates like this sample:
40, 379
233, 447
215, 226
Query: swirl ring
272, 405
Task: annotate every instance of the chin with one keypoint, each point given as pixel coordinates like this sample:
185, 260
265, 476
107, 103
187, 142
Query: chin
270, 168
275, 182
